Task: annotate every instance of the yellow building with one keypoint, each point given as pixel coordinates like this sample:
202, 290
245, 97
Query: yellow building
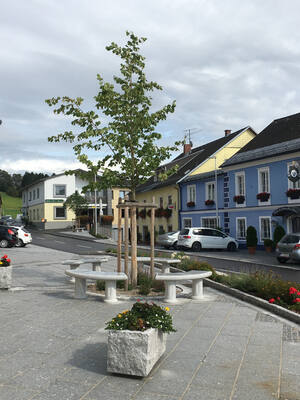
195, 161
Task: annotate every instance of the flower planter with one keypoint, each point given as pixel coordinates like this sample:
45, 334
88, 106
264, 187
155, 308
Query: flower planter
5, 277
264, 196
239, 199
293, 194
251, 250
268, 249
134, 352
209, 202
190, 204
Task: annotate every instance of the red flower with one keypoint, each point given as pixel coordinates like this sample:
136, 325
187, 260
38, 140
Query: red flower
296, 300
8, 260
5, 256
298, 293
293, 290
272, 301
138, 300
278, 298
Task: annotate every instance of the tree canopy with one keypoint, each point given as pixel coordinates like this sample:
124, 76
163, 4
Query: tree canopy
128, 142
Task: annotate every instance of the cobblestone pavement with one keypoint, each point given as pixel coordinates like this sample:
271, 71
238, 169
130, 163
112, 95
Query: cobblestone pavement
54, 347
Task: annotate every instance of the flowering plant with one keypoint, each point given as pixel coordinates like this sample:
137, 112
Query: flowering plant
179, 256
290, 299
190, 204
209, 202
263, 196
5, 261
239, 199
141, 317
293, 193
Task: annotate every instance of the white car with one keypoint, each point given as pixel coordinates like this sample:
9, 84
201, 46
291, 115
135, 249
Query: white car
24, 237
168, 239
205, 238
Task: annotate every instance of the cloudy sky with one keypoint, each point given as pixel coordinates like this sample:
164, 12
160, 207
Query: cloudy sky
227, 64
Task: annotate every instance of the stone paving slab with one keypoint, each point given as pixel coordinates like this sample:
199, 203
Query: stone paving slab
54, 347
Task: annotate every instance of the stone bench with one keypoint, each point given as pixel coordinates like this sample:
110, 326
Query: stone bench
110, 279
96, 262
171, 279
82, 229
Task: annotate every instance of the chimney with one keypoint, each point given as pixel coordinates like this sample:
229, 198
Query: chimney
187, 148
227, 132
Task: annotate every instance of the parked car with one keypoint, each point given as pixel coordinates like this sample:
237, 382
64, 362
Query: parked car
168, 239
8, 237
288, 248
198, 238
24, 237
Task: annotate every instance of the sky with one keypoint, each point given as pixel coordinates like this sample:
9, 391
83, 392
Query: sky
227, 64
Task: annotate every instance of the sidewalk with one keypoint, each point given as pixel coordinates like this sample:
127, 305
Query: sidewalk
54, 347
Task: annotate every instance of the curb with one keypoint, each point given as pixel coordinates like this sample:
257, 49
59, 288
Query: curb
277, 310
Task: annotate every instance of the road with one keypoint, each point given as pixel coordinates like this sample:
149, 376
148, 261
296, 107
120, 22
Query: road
69, 245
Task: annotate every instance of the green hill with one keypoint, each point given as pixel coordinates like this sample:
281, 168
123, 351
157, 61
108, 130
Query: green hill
11, 205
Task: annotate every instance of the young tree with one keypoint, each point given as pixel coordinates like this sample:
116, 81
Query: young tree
130, 134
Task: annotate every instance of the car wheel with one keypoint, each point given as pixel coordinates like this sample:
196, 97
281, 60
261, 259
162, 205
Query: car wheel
3, 243
282, 260
19, 243
196, 246
175, 245
166, 247
231, 246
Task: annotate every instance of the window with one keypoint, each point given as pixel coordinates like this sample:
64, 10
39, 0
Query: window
34, 194
191, 193
112, 194
37, 214
263, 180
209, 222
241, 228
59, 213
240, 184
38, 193
187, 222
210, 191
170, 228
161, 202
265, 228
169, 200
161, 230
29, 196
59, 190
33, 212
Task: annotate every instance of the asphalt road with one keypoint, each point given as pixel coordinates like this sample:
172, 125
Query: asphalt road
69, 245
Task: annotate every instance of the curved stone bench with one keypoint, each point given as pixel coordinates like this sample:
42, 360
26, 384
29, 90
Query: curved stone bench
170, 281
96, 262
110, 279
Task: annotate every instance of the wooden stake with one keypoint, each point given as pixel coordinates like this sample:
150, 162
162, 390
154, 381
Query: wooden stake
119, 264
126, 246
152, 238
133, 248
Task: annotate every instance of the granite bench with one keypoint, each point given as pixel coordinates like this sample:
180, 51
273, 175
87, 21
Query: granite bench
171, 279
96, 262
110, 279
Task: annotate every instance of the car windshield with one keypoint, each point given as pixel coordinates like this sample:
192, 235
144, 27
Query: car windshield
290, 239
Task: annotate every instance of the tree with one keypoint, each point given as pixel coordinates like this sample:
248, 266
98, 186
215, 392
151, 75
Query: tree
130, 134
76, 203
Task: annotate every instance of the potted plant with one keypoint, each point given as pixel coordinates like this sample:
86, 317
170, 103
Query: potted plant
279, 232
269, 244
167, 213
190, 204
239, 199
209, 202
263, 196
137, 338
251, 239
5, 272
293, 193
107, 219
159, 212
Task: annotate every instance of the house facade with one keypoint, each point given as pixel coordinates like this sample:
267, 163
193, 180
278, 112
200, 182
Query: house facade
257, 188
202, 190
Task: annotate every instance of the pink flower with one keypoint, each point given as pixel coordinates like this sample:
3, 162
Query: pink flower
293, 290
278, 298
296, 300
272, 301
8, 260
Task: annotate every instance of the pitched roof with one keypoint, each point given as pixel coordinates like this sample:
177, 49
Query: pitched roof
279, 137
187, 162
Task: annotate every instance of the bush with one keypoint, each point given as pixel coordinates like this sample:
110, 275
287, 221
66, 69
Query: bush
251, 236
187, 264
279, 232
144, 282
268, 243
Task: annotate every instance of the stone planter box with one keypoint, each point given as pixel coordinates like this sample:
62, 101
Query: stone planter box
134, 352
5, 277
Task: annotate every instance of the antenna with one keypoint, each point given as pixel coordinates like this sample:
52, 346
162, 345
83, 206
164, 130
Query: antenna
189, 132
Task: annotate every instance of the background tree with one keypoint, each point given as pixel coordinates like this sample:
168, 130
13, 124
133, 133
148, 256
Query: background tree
76, 203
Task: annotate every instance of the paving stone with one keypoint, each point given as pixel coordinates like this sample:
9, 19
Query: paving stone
12, 393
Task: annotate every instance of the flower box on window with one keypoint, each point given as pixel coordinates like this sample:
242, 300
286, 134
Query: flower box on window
263, 196
159, 212
209, 202
239, 199
190, 204
142, 213
293, 193
167, 213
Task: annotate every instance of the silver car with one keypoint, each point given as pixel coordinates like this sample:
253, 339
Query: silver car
168, 239
288, 248
198, 238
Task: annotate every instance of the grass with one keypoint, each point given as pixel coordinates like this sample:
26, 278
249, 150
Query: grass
11, 205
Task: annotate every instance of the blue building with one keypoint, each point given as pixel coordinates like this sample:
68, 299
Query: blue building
258, 190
